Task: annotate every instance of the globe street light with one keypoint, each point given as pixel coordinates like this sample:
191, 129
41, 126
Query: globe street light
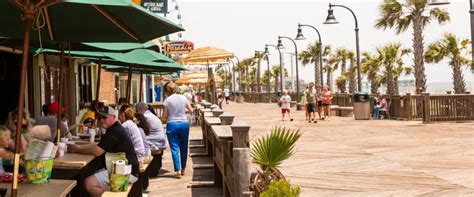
330, 19
300, 36
280, 45
281, 63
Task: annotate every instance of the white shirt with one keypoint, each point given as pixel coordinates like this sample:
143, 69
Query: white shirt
226, 92
156, 138
134, 133
176, 105
189, 96
285, 101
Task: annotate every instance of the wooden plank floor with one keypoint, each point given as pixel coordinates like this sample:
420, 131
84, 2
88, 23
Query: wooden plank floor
344, 157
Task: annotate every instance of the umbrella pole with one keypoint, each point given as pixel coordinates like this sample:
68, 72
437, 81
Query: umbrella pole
97, 91
141, 87
60, 92
28, 17
129, 83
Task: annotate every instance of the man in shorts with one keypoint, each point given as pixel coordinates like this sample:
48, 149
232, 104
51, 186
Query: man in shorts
285, 101
115, 140
311, 103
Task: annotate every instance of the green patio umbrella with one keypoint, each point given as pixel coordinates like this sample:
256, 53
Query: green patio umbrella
65, 21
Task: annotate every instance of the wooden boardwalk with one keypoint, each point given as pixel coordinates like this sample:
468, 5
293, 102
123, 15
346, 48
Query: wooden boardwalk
344, 157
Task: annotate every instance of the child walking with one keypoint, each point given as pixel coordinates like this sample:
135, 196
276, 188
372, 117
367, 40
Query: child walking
285, 105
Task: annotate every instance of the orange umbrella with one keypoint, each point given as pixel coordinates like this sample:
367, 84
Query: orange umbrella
196, 78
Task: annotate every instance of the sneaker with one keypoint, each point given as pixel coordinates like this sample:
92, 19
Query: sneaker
291, 120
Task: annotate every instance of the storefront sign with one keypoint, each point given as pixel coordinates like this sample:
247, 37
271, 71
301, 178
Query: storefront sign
178, 47
156, 6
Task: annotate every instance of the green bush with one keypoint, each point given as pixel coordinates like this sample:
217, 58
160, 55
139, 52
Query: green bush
281, 188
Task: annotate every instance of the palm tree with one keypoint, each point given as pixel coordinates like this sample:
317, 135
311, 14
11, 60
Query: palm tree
400, 16
398, 71
371, 65
311, 56
454, 49
269, 152
393, 54
276, 75
266, 79
339, 58
244, 67
352, 70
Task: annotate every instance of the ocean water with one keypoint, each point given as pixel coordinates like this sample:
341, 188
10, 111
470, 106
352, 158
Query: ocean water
432, 88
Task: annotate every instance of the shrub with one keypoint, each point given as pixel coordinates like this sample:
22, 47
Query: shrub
281, 188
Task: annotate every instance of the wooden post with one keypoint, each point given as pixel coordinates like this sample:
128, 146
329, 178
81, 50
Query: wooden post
141, 87
408, 107
226, 118
240, 135
60, 92
97, 91
241, 164
129, 83
426, 108
241, 157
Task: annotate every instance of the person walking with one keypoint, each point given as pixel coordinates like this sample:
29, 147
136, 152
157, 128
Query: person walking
177, 128
311, 103
285, 101
227, 95
326, 102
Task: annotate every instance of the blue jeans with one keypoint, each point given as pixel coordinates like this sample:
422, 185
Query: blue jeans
377, 112
178, 135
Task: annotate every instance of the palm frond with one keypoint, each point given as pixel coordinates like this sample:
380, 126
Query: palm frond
277, 146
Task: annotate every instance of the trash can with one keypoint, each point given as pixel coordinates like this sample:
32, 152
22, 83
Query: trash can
240, 97
361, 106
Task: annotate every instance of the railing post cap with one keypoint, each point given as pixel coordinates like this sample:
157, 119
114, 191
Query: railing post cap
239, 125
226, 114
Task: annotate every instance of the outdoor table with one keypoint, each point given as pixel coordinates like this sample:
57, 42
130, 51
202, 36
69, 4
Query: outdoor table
54, 188
77, 167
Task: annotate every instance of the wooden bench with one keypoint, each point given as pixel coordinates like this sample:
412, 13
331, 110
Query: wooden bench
346, 111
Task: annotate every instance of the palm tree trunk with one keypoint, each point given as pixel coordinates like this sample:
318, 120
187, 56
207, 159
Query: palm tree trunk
395, 84
420, 77
343, 70
329, 79
390, 88
374, 86
352, 81
276, 81
458, 79
317, 73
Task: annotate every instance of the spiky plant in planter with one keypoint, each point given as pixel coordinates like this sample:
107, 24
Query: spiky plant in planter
269, 152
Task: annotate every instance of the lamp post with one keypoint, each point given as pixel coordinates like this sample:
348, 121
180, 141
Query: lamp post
330, 19
240, 76
471, 12
266, 53
300, 36
281, 64
280, 45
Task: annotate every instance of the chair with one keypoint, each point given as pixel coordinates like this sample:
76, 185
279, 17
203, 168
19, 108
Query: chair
386, 110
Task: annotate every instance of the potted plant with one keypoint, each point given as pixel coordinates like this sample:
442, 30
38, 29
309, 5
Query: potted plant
269, 152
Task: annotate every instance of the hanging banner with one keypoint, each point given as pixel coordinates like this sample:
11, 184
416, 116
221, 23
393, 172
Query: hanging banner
156, 6
178, 47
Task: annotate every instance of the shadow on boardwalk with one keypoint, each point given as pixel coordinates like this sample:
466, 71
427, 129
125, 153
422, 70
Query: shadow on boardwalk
167, 185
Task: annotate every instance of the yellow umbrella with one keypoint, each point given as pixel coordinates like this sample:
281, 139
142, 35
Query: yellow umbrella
196, 78
207, 56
